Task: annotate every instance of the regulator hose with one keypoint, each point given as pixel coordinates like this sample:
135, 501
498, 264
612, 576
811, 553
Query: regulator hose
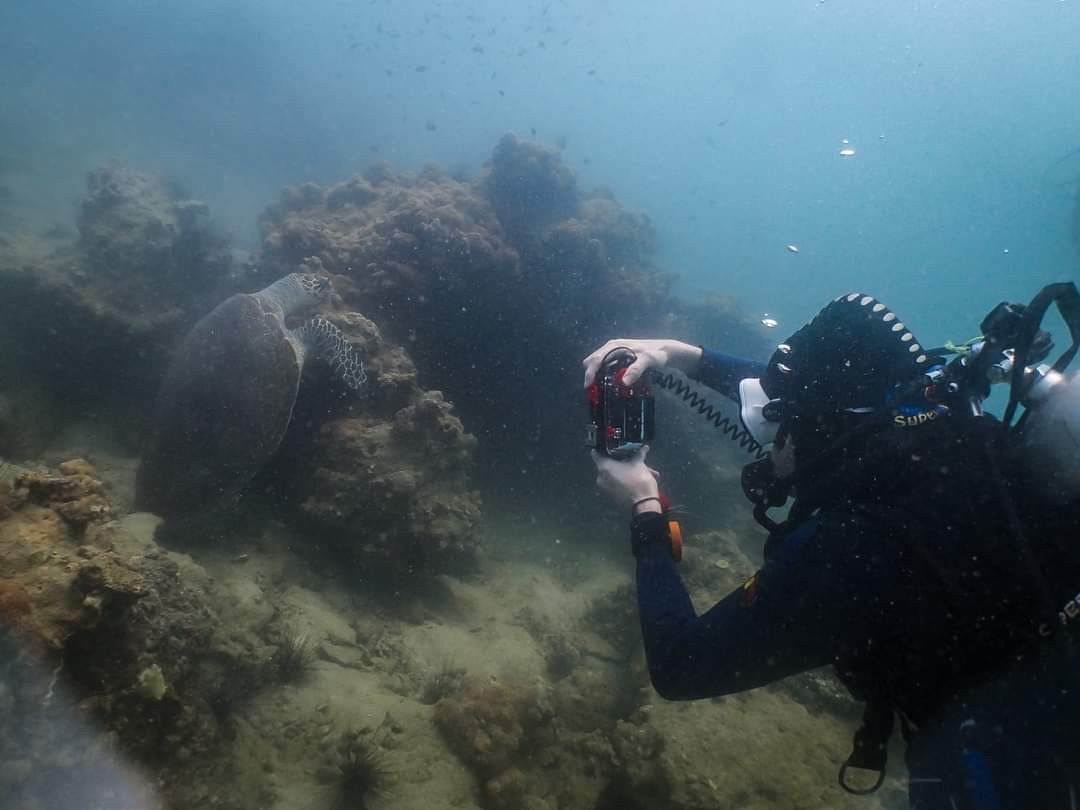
692, 397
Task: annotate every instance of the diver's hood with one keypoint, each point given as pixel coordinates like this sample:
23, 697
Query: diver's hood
844, 362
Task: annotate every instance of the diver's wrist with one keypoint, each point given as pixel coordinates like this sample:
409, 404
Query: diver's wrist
689, 358
647, 503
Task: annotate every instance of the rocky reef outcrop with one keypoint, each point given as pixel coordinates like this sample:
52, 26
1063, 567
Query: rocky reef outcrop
495, 286
112, 636
144, 243
384, 479
99, 314
498, 287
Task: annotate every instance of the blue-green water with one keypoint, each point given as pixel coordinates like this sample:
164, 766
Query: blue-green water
722, 121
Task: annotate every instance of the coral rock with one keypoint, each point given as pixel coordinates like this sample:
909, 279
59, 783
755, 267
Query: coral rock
75, 494
393, 492
529, 184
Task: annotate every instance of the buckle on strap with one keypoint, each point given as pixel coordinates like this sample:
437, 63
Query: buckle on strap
870, 749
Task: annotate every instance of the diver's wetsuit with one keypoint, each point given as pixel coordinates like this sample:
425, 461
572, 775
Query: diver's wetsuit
850, 588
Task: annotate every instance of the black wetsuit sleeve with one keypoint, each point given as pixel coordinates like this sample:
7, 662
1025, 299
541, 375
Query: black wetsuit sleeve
784, 620
723, 372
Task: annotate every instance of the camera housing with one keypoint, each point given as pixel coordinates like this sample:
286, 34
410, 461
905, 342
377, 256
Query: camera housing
622, 418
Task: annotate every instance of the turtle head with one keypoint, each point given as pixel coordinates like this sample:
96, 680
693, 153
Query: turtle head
315, 287
296, 292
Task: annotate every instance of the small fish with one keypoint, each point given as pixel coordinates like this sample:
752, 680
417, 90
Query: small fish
540, 43
793, 248
421, 68
532, 131
592, 72
502, 92
849, 152
769, 323
430, 126
477, 48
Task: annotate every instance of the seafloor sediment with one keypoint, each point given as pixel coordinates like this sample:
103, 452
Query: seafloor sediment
396, 620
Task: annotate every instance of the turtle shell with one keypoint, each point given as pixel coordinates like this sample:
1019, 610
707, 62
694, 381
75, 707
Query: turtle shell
223, 408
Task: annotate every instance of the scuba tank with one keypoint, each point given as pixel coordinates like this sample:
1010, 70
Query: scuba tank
1046, 438
1049, 441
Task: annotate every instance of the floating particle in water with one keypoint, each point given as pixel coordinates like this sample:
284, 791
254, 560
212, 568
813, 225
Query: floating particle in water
792, 248
1005, 251
848, 152
844, 140
769, 323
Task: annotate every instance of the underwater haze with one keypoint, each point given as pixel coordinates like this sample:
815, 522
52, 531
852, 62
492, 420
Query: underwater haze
722, 121
296, 504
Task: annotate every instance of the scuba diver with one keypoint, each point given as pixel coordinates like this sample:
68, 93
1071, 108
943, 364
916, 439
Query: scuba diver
927, 554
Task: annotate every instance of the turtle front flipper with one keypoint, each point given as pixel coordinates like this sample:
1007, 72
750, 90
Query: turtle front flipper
322, 339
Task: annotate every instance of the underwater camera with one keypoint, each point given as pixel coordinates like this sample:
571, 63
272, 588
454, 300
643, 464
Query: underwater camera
622, 418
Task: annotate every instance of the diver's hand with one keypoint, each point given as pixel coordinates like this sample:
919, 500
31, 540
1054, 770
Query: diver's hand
629, 480
650, 354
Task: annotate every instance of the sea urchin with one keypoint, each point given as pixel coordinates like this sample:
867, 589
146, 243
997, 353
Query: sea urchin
364, 772
293, 658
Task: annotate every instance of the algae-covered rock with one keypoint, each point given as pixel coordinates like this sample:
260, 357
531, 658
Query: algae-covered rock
529, 185
151, 683
394, 493
382, 479
99, 315
128, 632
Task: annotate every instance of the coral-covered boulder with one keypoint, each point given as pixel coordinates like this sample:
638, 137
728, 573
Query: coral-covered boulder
393, 493
138, 229
99, 315
409, 246
138, 643
529, 185
382, 479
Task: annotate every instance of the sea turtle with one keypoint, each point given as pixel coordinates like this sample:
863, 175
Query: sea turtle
228, 396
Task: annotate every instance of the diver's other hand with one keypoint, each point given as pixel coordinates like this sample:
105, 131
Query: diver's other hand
650, 354
629, 480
